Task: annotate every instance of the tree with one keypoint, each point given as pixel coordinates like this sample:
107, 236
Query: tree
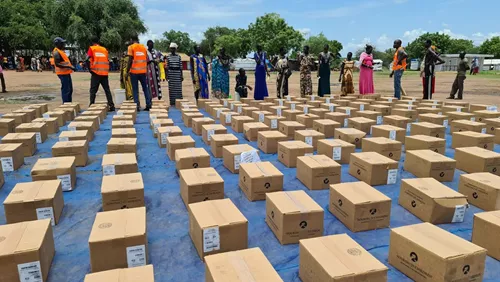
272, 32
237, 44
182, 39
416, 49
459, 45
386, 56
207, 45
316, 44
491, 47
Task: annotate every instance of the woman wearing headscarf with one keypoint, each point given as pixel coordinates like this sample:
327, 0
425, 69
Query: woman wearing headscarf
284, 73
366, 71
199, 74
174, 74
153, 75
260, 58
220, 75
346, 75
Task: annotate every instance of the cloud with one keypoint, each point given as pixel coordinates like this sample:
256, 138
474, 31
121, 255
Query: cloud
384, 42
413, 34
306, 32
452, 34
345, 11
478, 38
354, 46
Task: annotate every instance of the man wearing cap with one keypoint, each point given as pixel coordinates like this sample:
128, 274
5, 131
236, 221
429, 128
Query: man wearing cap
137, 69
63, 69
99, 70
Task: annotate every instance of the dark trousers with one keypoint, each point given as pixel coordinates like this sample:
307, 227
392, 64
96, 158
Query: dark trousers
428, 87
66, 88
458, 85
2, 79
95, 81
135, 79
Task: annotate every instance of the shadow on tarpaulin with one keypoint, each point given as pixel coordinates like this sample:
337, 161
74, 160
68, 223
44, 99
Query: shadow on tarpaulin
170, 248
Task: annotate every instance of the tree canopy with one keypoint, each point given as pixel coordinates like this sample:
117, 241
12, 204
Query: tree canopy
182, 39
491, 46
316, 44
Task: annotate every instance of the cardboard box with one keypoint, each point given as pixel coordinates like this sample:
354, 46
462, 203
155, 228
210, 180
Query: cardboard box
209, 130
373, 168
121, 145
220, 140
341, 118
338, 150
122, 191
216, 112
178, 142
62, 168
326, 127
123, 133
7, 125
315, 103
118, 240
233, 155
384, 110
165, 132
319, 112
113, 164
467, 125
359, 106
69, 114
344, 102
11, 156
384, 146
34, 201
291, 115
482, 190
318, 172
237, 123
258, 179
265, 106
79, 149
82, 125
126, 117
431, 201
17, 117
212, 233
434, 118
27, 251
430, 110
75, 135
475, 159
227, 267
330, 106
179, 102
485, 232
157, 123
350, 111
362, 124
405, 106
288, 151
460, 116
425, 252
497, 136
350, 135
471, 138
101, 114
30, 114
389, 131
40, 129
28, 141
144, 273
429, 129
427, 163
378, 117
478, 107
226, 117
94, 119
304, 108
306, 119
310, 137
398, 121
359, 206
251, 130
491, 125
288, 128
188, 118
482, 115
411, 114
293, 216
198, 122
259, 116
424, 142
191, 158
273, 121
267, 141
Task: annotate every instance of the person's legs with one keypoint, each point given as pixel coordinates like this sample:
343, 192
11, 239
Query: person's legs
70, 92
460, 81
65, 89
397, 84
134, 80
197, 94
427, 87
454, 88
145, 89
105, 85
94, 86
2, 79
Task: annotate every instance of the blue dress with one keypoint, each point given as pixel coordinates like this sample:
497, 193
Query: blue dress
200, 82
260, 77
220, 78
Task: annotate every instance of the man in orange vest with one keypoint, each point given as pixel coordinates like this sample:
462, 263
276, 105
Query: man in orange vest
63, 69
398, 67
99, 70
137, 69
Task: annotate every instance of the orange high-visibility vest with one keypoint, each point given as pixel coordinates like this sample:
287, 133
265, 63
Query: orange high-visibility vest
99, 63
65, 62
395, 65
139, 63
51, 61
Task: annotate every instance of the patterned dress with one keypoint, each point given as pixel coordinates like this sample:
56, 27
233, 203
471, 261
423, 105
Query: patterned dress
153, 75
174, 77
200, 82
282, 78
220, 77
306, 61
125, 82
347, 83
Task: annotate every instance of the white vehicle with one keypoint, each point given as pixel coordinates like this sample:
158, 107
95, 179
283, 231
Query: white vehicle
377, 65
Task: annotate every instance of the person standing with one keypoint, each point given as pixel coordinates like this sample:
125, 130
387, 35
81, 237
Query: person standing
124, 78
2, 80
154, 58
366, 71
346, 75
99, 71
162, 66
284, 74
220, 75
325, 59
458, 84
137, 70
63, 69
199, 74
398, 67
261, 71
431, 60
306, 63
174, 74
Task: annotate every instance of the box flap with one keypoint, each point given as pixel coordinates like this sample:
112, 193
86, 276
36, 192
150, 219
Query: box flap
224, 137
309, 132
472, 134
485, 178
428, 125
190, 152
200, 176
381, 140
20, 136
122, 182
250, 125
373, 158
9, 147
118, 159
433, 188
293, 202
68, 144
272, 134
238, 148
122, 141
53, 163
359, 192
430, 156
260, 169
118, 224
318, 161
351, 131
23, 237
33, 191
216, 213
425, 138
76, 133
294, 144
480, 152
213, 126
492, 217
336, 142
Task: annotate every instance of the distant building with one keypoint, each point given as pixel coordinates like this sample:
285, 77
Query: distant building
452, 60
185, 60
491, 64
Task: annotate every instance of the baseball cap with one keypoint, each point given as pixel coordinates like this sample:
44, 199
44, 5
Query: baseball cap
59, 40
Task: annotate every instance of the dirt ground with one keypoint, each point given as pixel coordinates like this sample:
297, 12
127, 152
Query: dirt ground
31, 87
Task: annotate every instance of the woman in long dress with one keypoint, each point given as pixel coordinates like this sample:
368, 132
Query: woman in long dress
125, 82
306, 63
284, 73
366, 72
199, 74
162, 66
174, 74
220, 75
325, 58
153, 74
260, 74
346, 75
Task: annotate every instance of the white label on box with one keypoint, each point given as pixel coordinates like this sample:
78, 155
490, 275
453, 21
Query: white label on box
249, 157
63, 139
280, 102
71, 128
274, 123
371, 129
26, 108
392, 176
7, 164
414, 99
44, 213
346, 122
156, 126
99, 119
435, 102
472, 119
433, 106
232, 107
348, 112
327, 100
108, 170
309, 140
492, 108
65, 182
292, 106
306, 110
337, 153
392, 134
211, 239
483, 130
390, 99
225, 103
261, 117
210, 132
218, 113
331, 108
380, 120
119, 113
228, 118
240, 109
409, 107
410, 102
38, 138
30, 272
74, 112
46, 115
445, 123
312, 97
136, 256
164, 137
289, 98
459, 214
185, 106
308, 154
237, 159
459, 109
278, 112
408, 127
361, 107
152, 117
440, 113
